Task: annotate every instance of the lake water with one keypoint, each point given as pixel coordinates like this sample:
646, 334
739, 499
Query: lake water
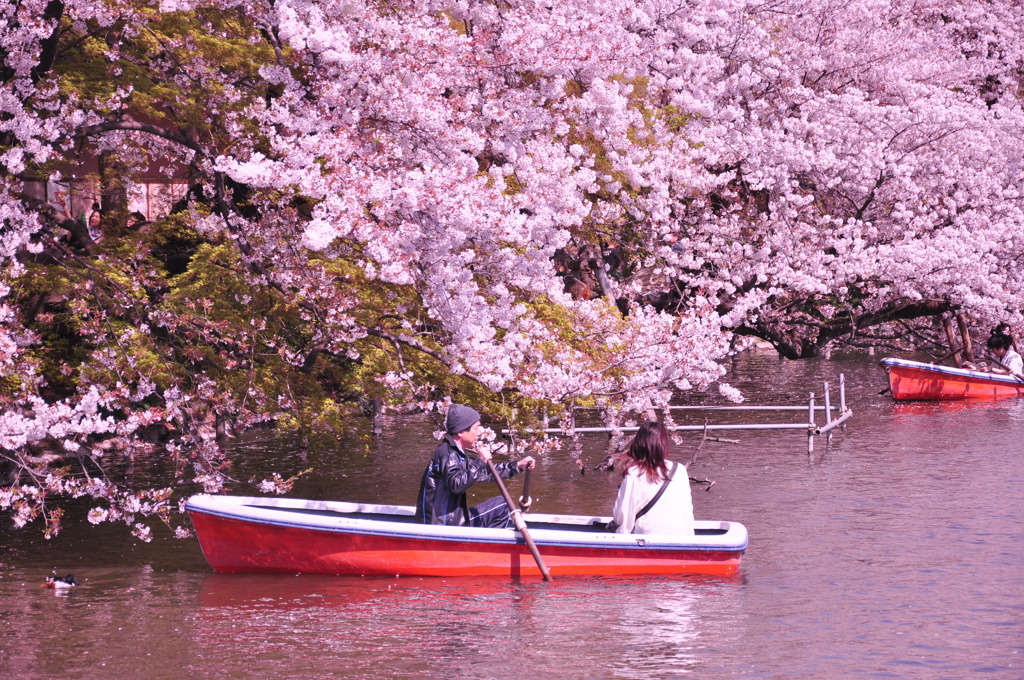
893, 551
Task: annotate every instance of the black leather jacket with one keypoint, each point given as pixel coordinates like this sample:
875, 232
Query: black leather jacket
442, 497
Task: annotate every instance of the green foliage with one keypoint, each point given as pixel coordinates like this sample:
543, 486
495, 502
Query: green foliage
169, 307
48, 292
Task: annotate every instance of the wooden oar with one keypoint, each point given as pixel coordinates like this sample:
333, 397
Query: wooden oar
517, 519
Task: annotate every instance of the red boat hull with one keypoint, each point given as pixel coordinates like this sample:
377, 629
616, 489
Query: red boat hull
238, 545
916, 381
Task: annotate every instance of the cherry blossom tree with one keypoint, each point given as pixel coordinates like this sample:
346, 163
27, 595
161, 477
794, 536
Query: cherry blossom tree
517, 203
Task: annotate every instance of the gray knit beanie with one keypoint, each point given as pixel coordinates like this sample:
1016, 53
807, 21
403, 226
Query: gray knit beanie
460, 418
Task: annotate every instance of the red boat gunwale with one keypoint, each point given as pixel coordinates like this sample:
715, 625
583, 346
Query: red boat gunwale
915, 380
278, 535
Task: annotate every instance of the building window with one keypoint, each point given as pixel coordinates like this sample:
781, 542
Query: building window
153, 200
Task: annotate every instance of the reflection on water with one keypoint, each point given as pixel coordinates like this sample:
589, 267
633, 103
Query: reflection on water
894, 551
464, 626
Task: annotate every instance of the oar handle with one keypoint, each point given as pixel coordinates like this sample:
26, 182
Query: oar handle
524, 499
517, 519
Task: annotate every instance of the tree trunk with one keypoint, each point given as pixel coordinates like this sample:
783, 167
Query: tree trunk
947, 326
113, 192
965, 335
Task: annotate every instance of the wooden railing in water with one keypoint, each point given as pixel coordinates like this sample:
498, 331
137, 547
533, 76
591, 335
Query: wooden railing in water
834, 417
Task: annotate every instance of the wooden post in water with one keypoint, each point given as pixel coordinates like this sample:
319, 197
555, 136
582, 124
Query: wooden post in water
810, 425
965, 335
954, 347
377, 417
569, 423
842, 397
828, 411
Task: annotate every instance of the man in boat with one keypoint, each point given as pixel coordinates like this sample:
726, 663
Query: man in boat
442, 497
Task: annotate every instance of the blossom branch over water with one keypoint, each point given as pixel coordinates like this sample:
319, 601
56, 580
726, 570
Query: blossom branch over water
529, 205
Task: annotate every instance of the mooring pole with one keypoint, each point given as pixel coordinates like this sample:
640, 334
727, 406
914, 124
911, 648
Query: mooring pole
810, 425
377, 417
828, 411
842, 397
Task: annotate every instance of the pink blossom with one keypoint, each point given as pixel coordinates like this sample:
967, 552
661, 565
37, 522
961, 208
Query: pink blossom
854, 155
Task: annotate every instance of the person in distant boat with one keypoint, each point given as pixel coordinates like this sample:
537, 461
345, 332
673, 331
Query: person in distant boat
654, 497
442, 497
1000, 345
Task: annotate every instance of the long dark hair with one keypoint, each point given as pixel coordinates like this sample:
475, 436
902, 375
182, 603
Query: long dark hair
647, 451
1000, 337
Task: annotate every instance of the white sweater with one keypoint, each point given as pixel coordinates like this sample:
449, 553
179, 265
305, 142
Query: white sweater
1012, 361
672, 514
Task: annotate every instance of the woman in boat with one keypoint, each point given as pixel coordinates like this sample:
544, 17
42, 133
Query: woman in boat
1000, 344
442, 497
654, 497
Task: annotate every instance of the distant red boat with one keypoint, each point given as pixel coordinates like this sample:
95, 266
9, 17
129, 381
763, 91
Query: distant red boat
914, 380
283, 535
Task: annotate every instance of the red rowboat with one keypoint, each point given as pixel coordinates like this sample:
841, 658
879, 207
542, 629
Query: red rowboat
911, 380
284, 535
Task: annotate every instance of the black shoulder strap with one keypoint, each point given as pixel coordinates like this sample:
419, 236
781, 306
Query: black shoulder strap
664, 485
